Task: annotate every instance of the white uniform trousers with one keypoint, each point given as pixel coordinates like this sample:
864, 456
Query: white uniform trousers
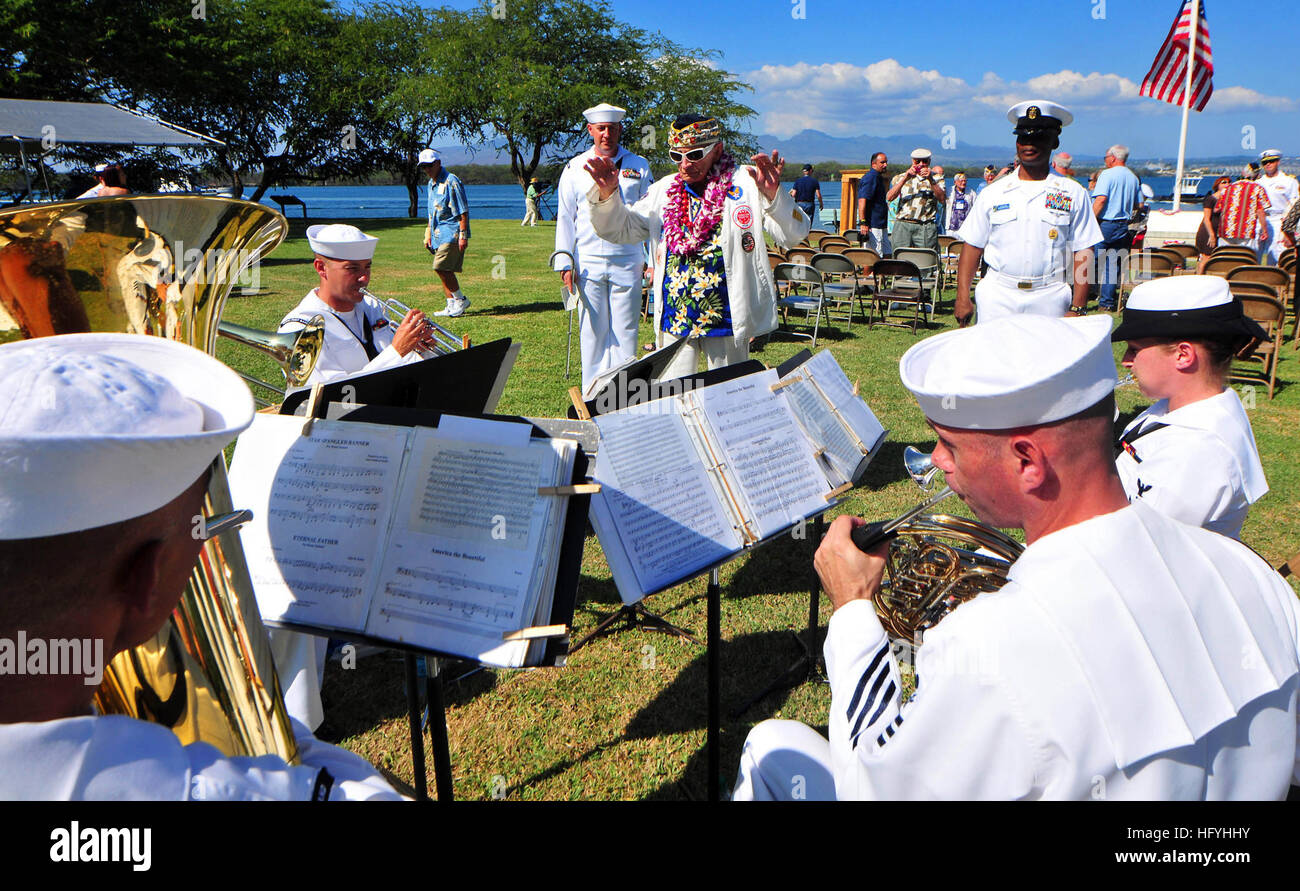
608, 319
995, 299
878, 241
300, 663
785, 761
719, 351
1272, 250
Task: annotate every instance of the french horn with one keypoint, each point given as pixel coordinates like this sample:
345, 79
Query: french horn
162, 266
937, 562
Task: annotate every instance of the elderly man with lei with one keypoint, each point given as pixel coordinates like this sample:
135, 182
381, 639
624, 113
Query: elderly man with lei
713, 284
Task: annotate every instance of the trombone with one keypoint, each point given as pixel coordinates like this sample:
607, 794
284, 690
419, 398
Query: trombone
296, 352
444, 341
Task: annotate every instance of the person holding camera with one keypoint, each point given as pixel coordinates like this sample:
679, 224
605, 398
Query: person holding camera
920, 193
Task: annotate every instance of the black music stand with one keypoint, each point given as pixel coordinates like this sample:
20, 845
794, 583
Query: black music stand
562, 604
633, 384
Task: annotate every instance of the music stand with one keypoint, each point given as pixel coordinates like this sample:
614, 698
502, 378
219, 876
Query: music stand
569, 567
619, 392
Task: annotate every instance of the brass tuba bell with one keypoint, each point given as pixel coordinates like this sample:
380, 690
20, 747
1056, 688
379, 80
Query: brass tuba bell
162, 266
296, 352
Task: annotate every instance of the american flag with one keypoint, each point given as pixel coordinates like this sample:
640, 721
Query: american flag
1167, 78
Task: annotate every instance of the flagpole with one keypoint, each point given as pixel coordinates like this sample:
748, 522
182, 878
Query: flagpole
1187, 101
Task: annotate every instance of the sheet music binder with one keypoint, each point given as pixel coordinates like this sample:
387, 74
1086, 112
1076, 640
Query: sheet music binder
550, 650
679, 530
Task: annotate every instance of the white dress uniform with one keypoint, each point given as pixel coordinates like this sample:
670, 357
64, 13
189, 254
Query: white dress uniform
115, 758
1029, 231
344, 352
1198, 464
1282, 190
609, 274
1129, 657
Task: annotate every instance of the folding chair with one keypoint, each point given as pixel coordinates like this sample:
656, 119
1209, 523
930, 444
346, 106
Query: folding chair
1270, 314
829, 217
809, 303
951, 257
801, 256
1144, 266
891, 288
833, 244
1174, 256
1226, 250
841, 285
927, 261
863, 258
1186, 251
852, 236
1222, 264
815, 236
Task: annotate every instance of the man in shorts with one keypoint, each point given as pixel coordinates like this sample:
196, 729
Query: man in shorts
447, 233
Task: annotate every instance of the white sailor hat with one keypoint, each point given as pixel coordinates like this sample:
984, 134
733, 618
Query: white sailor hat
1269, 155
921, 154
604, 113
428, 156
100, 428
1016, 371
1191, 306
1039, 114
341, 242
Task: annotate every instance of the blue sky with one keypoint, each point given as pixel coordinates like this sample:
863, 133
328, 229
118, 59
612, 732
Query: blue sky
891, 68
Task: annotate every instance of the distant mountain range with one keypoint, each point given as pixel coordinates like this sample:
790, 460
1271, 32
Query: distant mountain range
811, 146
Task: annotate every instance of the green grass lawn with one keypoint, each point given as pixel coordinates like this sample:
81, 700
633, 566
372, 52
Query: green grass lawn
625, 719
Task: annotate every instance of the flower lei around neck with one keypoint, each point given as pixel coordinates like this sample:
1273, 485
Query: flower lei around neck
684, 234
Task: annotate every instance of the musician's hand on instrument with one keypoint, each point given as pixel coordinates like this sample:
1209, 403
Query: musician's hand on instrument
846, 572
413, 333
604, 174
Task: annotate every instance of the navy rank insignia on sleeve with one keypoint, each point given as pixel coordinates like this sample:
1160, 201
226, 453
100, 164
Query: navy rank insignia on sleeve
1058, 201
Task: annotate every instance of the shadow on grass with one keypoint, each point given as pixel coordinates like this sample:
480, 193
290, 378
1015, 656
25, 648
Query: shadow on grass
748, 664
783, 566
518, 308
887, 467
359, 699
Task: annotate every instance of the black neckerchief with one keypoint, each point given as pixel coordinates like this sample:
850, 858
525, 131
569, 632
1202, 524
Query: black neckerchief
368, 342
1125, 443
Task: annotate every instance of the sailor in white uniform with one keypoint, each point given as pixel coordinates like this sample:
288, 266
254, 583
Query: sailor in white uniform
1033, 227
358, 335
1192, 454
609, 275
117, 432
1282, 189
1129, 656
359, 339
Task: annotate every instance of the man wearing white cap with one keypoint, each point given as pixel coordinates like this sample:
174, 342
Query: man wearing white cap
1034, 228
1129, 656
1282, 191
447, 234
609, 274
358, 335
110, 181
919, 192
108, 439
1117, 194
1192, 455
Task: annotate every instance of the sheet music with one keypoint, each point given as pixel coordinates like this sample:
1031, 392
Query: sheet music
465, 561
770, 458
668, 521
320, 507
820, 391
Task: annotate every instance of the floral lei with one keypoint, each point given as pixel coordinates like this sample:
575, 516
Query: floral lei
683, 234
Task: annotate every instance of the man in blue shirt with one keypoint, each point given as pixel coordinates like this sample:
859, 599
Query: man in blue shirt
1113, 200
873, 208
447, 234
806, 189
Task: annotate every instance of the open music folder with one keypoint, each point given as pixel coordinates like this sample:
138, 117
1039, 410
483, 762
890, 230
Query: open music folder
434, 537
690, 480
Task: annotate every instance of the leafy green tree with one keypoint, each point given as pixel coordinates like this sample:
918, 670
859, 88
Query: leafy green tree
521, 72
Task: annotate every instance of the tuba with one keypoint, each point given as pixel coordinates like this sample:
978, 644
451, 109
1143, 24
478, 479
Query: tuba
162, 266
937, 562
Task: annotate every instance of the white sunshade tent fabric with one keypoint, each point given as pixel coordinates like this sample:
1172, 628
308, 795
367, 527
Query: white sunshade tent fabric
98, 123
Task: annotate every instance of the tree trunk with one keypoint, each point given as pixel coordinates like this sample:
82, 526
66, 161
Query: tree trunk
413, 192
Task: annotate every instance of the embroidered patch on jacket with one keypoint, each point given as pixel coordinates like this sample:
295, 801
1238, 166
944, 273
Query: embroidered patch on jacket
735, 193
743, 217
1058, 201
747, 242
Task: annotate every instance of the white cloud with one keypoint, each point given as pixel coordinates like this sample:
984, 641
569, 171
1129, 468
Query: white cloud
887, 97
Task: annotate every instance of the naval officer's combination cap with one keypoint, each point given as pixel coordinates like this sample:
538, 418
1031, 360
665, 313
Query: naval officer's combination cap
1038, 116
